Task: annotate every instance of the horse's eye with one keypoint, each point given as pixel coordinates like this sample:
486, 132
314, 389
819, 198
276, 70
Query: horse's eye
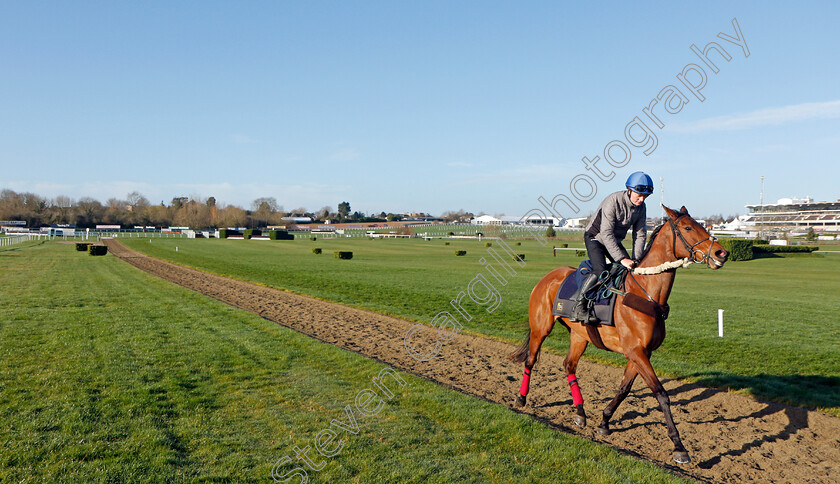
687, 229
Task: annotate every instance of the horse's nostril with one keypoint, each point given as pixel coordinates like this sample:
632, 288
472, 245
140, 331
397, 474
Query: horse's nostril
722, 254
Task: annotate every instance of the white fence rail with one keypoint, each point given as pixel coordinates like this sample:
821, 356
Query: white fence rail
17, 239
9, 240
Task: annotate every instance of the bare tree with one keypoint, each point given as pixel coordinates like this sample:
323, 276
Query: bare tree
231, 216
159, 215
193, 214
265, 211
324, 213
459, 216
135, 199
90, 211
12, 206
267, 204
137, 206
62, 210
63, 201
116, 211
34, 203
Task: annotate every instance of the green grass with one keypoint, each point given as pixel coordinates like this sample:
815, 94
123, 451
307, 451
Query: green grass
781, 314
108, 374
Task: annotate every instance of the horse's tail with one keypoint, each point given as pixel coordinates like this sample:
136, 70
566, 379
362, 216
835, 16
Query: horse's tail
521, 354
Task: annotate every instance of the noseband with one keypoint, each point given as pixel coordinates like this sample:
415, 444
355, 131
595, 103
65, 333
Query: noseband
691, 247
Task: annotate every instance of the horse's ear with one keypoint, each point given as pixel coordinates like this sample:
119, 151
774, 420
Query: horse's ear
671, 214
683, 210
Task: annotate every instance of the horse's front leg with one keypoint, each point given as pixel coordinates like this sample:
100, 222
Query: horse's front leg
623, 390
643, 366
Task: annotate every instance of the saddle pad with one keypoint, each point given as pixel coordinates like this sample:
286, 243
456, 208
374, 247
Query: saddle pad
563, 305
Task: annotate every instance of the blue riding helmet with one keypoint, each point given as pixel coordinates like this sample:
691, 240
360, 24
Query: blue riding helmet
640, 182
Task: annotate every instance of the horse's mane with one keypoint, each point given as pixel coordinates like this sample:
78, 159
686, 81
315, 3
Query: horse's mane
653, 237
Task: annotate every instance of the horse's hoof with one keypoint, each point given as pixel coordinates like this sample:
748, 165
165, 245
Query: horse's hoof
681, 457
580, 416
520, 401
603, 430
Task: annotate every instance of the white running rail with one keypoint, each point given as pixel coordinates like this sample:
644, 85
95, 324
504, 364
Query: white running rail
17, 239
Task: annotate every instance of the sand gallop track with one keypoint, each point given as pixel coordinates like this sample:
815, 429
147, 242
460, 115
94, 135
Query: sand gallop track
731, 438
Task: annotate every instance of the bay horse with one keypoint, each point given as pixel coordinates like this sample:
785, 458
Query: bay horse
679, 241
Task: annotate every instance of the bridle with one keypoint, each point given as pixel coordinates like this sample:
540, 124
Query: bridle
691, 247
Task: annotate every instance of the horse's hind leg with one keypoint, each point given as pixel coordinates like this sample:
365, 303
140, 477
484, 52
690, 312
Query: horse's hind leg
576, 349
623, 390
536, 339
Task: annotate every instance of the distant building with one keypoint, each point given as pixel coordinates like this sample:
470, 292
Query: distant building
416, 216
297, 220
486, 220
13, 227
505, 220
795, 216
576, 223
60, 230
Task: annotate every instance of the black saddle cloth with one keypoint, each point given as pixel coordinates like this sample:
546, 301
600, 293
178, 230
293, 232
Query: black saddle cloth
604, 299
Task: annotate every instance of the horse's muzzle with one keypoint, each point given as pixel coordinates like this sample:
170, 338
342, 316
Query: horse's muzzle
719, 258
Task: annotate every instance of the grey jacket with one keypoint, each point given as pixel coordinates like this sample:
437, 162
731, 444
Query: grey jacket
615, 216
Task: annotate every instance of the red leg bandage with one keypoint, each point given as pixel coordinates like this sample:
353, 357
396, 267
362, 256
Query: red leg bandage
577, 398
526, 381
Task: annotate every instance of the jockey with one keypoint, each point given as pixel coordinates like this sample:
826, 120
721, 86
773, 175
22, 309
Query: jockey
617, 214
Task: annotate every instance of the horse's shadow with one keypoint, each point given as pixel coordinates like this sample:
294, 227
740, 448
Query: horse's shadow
811, 391
807, 391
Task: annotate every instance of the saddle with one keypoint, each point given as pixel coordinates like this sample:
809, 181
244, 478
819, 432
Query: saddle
610, 284
602, 295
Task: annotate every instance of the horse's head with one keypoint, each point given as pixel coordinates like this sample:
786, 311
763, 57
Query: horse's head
696, 244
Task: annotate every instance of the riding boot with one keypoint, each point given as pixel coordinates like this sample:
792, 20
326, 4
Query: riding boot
580, 313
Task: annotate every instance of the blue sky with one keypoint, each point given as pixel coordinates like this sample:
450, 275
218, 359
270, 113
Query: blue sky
412, 106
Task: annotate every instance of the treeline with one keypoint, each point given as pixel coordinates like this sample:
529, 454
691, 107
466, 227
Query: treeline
135, 210
195, 212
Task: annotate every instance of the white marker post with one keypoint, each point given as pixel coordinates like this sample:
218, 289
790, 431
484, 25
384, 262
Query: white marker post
720, 323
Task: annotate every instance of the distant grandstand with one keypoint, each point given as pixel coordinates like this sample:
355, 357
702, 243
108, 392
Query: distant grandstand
793, 216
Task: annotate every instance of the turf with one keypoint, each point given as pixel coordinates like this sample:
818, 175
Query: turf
111, 375
781, 329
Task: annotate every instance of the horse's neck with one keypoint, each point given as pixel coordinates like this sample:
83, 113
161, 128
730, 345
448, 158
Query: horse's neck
658, 286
